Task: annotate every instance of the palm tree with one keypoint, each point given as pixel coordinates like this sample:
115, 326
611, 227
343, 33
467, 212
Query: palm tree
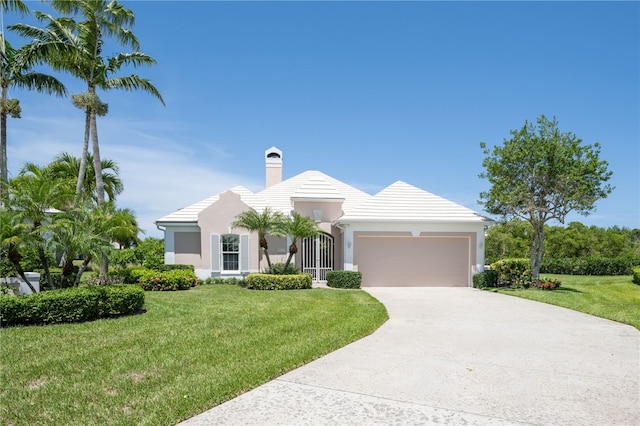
15, 71
12, 236
34, 195
262, 223
66, 166
80, 46
81, 231
296, 227
122, 227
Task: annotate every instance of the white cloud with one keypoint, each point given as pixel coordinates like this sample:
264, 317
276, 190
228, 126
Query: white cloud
160, 175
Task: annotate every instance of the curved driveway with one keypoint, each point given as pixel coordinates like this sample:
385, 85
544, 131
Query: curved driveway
459, 356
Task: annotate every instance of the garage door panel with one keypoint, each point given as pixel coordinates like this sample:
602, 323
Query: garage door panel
413, 261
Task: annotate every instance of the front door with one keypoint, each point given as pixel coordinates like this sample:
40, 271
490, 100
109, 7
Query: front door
317, 256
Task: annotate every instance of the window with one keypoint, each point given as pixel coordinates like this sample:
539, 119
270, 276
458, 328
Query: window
230, 252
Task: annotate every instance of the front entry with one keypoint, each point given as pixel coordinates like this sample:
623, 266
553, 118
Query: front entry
317, 256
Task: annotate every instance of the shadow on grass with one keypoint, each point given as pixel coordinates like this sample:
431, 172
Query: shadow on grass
567, 290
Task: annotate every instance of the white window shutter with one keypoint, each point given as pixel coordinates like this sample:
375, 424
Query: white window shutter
215, 253
244, 253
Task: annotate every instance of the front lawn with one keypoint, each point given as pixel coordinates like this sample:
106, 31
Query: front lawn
191, 351
615, 298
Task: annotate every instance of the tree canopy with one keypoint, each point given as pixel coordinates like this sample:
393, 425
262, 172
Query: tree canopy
540, 175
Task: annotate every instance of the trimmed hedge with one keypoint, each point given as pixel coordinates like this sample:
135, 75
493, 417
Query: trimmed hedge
484, 279
590, 265
278, 282
636, 275
70, 305
177, 279
344, 279
512, 271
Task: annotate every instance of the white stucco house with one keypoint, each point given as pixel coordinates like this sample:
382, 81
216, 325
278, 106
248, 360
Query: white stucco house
401, 236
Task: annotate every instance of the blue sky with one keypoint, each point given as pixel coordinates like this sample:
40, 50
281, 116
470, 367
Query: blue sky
367, 92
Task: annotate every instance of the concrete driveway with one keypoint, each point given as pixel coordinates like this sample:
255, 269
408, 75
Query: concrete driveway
459, 356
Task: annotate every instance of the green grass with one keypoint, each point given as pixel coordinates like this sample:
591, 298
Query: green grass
615, 298
190, 351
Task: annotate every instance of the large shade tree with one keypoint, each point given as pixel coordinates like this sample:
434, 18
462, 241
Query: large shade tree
16, 71
540, 175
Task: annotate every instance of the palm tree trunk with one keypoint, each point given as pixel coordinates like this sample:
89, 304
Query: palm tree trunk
97, 167
83, 159
83, 268
45, 266
14, 258
3, 137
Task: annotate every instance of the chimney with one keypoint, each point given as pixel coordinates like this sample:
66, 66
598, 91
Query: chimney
273, 160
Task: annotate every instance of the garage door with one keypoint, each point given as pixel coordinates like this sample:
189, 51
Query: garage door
413, 261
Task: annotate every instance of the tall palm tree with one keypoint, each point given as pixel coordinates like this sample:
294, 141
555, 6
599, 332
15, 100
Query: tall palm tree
16, 72
296, 227
82, 56
262, 223
67, 166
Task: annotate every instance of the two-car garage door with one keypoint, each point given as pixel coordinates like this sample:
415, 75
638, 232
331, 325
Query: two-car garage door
413, 261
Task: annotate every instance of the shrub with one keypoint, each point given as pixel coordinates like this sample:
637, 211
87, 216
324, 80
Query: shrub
344, 279
512, 272
129, 275
545, 284
174, 267
484, 279
108, 280
70, 305
279, 269
179, 279
278, 282
124, 258
590, 265
222, 280
151, 251
636, 275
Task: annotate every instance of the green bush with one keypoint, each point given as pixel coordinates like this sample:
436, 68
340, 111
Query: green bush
636, 275
344, 279
179, 279
108, 280
130, 275
70, 305
279, 269
512, 272
278, 282
124, 258
223, 280
151, 252
590, 265
174, 267
484, 279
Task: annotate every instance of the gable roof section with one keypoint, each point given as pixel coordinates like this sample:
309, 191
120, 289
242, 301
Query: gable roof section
401, 202
311, 185
190, 213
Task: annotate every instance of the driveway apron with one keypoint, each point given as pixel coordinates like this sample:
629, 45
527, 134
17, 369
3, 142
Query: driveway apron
458, 356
